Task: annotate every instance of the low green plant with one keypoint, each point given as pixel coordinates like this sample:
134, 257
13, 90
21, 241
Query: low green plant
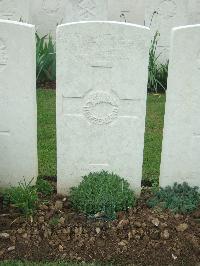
158, 73
102, 193
54, 221
24, 197
44, 187
45, 59
180, 198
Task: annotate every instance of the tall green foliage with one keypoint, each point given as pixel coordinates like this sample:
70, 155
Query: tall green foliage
158, 72
45, 59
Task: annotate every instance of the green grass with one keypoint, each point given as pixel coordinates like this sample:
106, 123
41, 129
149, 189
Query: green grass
46, 132
47, 135
153, 137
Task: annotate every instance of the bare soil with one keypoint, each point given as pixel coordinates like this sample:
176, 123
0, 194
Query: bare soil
47, 85
141, 236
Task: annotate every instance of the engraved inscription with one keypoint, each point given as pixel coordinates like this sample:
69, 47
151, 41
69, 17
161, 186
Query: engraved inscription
51, 6
196, 135
101, 107
87, 9
167, 9
7, 9
102, 49
3, 55
4, 133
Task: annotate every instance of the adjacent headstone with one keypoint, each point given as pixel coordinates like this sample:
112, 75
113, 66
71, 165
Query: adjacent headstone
46, 15
162, 16
194, 11
131, 11
101, 100
181, 142
14, 10
18, 119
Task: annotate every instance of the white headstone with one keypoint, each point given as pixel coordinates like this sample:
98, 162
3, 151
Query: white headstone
101, 100
194, 11
17, 10
46, 15
181, 142
162, 16
18, 120
131, 11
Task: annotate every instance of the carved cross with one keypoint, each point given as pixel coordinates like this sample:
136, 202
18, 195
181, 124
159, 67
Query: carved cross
87, 7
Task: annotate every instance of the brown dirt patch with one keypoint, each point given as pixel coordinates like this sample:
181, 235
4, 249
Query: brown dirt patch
47, 85
140, 237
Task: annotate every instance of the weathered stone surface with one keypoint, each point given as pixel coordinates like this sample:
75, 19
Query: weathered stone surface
46, 15
86, 10
131, 11
101, 100
181, 142
18, 120
14, 10
162, 16
194, 11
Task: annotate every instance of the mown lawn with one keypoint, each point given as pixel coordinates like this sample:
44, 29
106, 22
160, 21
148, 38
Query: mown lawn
47, 135
153, 137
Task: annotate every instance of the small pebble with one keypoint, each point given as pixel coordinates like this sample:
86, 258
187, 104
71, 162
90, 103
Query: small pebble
11, 248
4, 235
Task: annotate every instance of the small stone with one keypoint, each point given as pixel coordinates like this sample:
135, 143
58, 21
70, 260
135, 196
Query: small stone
11, 248
20, 231
138, 224
46, 234
62, 220
25, 235
182, 227
41, 219
43, 207
163, 225
134, 232
174, 257
123, 243
130, 236
137, 237
99, 215
165, 234
177, 216
4, 235
60, 248
123, 223
144, 225
66, 231
2, 252
78, 231
58, 205
155, 222
98, 230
